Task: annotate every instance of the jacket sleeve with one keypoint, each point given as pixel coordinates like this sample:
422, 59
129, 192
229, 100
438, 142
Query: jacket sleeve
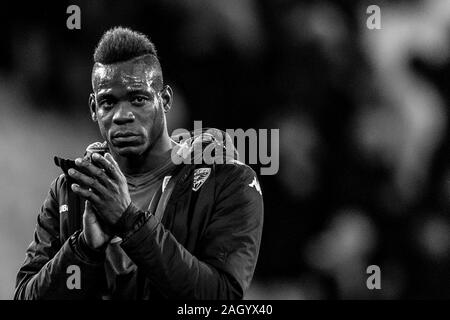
53, 270
227, 253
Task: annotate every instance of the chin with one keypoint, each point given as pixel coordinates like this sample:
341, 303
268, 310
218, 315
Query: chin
129, 151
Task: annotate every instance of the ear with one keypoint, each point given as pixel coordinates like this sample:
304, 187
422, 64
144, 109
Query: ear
167, 97
92, 107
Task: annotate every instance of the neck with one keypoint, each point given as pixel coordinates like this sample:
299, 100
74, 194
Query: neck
150, 160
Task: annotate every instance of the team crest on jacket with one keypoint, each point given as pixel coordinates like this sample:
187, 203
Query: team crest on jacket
200, 176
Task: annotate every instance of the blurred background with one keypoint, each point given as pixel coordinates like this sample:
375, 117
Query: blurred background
363, 119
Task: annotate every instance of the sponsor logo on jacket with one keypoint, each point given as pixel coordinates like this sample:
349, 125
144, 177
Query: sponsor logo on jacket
255, 184
63, 208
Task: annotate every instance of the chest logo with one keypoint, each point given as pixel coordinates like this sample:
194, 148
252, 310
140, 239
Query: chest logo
63, 208
200, 176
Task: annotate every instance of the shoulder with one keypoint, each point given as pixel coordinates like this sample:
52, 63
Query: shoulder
236, 176
233, 170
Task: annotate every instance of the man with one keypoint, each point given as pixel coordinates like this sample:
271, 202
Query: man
126, 218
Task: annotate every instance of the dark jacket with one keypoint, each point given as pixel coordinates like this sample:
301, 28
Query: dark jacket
190, 244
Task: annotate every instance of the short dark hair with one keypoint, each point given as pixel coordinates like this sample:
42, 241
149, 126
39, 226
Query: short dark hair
121, 44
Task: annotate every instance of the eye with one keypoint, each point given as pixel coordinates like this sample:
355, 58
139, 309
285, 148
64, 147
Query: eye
106, 103
139, 100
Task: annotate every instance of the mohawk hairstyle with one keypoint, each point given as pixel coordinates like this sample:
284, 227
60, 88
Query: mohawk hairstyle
121, 44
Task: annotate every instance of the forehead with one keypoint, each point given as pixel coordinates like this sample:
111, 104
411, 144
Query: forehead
133, 73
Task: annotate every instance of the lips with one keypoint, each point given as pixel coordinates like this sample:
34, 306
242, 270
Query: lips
125, 138
123, 134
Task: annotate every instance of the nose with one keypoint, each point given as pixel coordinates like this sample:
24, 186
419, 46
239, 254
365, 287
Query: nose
123, 114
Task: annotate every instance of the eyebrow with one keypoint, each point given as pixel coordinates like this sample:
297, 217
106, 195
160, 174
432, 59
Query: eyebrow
131, 91
104, 95
107, 93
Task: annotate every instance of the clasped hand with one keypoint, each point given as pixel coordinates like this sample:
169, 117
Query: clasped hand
103, 185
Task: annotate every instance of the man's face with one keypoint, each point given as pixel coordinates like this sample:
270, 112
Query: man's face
128, 106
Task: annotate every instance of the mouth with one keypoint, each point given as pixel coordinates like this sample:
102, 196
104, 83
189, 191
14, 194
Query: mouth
124, 137
123, 134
